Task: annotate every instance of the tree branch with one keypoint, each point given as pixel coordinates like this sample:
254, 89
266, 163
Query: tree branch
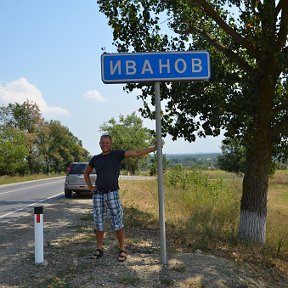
282, 107
229, 53
281, 126
282, 35
280, 6
230, 31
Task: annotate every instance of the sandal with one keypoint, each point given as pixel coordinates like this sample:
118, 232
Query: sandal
122, 256
98, 254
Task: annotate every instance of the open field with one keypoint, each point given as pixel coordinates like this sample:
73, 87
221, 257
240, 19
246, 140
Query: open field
202, 213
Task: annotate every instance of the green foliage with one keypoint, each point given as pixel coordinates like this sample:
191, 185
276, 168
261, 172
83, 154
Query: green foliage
233, 34
27, 118
31, 145
64, 147
210, 206
153, 164
233, 158
199, 189
13, 151
241, 96
129, 134
247, 93
177, 177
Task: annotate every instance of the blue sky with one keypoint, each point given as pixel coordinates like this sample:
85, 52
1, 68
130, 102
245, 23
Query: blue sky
50, 54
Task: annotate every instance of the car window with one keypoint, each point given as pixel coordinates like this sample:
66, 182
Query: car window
79, 168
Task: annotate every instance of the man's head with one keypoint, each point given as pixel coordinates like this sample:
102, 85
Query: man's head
105, 144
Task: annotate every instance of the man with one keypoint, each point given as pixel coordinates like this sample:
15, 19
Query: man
105, 192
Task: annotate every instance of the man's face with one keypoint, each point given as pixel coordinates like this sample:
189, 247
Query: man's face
105, 145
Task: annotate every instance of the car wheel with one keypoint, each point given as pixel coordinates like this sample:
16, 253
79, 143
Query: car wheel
68, 193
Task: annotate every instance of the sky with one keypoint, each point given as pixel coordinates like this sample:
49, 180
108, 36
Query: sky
50, 54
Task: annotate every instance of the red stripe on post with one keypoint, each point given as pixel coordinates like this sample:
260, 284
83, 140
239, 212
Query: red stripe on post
38, 218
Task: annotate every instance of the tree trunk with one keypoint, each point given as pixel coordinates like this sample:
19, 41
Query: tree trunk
253, 211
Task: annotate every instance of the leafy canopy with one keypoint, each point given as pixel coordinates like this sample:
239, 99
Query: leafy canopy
129, 134
247, 41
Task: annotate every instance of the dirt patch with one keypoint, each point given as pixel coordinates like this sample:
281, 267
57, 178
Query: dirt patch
69, 243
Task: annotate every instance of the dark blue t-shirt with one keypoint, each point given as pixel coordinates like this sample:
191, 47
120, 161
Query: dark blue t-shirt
107, 168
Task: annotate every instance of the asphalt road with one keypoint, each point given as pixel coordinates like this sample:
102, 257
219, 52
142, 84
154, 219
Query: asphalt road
19, 198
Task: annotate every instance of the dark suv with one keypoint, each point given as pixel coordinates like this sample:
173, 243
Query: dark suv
74, 180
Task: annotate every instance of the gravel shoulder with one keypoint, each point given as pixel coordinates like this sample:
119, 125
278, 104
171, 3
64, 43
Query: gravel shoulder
69, 243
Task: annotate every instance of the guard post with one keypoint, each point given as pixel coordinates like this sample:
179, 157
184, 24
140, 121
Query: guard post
38, 235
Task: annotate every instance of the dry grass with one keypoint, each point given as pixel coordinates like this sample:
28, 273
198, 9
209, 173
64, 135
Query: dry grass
18, 179
280, 178
203, 213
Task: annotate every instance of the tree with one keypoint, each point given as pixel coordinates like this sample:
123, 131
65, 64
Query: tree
64, 147
27, 118
128, 134
247, 93
233, 156
153, 164
13, 151
50, 146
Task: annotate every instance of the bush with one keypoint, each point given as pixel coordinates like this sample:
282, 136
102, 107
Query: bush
209, 208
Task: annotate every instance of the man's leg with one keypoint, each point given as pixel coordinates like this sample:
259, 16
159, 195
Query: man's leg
98, 210
121, 239
116, 213
99, 239
120, 234
99, 244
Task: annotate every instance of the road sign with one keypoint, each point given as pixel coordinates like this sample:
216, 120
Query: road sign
155, 66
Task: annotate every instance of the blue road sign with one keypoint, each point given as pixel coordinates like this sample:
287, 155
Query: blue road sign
155, 66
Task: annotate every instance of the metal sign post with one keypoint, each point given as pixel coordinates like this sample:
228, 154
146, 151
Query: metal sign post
163, 259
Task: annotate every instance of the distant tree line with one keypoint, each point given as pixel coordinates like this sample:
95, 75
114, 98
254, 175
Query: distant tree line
233, 157
199, 161
31, 145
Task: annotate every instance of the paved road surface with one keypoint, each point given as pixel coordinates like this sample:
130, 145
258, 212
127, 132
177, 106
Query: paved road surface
21, 197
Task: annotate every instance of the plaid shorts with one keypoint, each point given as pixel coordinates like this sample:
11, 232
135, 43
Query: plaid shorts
105, 204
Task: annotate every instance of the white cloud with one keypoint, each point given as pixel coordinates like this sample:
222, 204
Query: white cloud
19, 91
95, 95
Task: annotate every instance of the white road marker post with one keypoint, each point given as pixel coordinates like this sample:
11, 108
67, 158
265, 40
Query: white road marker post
163, 258
38, 232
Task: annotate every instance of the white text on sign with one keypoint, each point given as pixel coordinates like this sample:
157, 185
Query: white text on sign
131, 67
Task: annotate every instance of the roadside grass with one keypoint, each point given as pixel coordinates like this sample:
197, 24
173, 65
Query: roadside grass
202, 210
17, 179
277, 229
